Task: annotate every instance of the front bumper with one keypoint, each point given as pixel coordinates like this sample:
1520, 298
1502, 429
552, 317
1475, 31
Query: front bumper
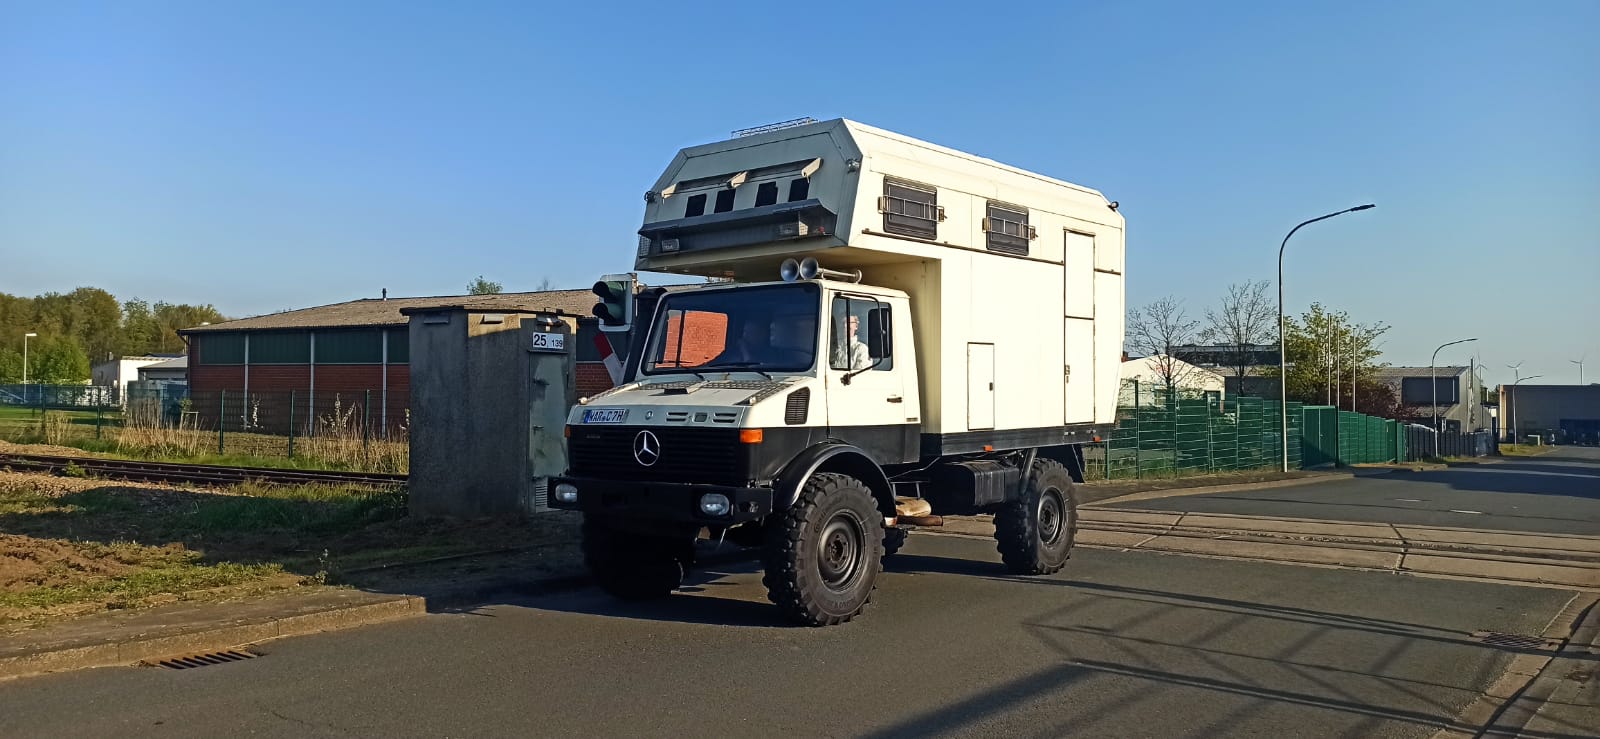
661, 501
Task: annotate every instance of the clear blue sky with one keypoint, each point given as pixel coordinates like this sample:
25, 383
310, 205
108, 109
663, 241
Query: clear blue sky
265, 156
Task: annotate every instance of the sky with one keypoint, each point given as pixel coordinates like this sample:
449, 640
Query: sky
268, 156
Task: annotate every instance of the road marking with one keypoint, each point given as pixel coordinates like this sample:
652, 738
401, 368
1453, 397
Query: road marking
1409, 500
1475, 513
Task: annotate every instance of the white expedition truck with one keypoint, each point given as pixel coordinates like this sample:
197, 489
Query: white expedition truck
898, 330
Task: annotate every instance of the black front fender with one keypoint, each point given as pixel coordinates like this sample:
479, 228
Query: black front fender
833, 456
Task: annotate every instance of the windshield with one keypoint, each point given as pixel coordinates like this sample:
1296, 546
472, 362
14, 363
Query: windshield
757, 329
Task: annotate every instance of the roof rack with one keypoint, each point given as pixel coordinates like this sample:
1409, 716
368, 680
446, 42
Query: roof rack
779, 126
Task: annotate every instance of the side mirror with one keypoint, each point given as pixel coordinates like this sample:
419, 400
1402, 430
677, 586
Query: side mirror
878, 343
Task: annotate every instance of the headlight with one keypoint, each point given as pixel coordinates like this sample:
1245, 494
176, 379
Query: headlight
714, 504
566, 492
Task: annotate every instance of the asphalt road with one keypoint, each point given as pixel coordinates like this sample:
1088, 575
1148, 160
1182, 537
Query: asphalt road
1119, 644
1554, 494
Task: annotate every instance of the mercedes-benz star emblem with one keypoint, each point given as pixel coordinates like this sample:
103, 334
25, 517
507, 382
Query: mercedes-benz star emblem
646, 448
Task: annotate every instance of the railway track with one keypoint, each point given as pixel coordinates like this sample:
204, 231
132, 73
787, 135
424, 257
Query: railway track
199, 474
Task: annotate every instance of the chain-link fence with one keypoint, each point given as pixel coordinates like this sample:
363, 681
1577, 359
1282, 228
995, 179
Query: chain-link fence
362, 429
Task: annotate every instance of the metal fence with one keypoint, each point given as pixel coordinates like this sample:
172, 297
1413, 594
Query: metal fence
1161, 433
74, 397
354, 429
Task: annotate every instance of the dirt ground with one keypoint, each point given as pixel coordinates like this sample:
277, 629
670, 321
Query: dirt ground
71, 546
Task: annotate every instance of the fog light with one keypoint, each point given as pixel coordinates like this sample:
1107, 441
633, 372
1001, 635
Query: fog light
566, 493
714, 504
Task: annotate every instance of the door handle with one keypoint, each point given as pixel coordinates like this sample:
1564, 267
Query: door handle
895, 399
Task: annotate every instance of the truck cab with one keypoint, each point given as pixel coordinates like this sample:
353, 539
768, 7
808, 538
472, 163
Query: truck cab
887, 336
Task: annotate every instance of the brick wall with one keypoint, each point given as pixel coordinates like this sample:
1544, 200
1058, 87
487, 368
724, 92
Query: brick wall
592, 379
704, 335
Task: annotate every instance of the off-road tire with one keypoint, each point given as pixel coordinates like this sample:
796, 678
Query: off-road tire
823, 554
634, 566
894, 537
1035, 532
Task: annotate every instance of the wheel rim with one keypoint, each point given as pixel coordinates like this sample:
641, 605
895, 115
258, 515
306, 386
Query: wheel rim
1052, 518
839, 560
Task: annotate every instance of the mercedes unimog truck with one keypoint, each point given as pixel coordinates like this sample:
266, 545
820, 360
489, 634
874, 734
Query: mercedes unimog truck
891, 331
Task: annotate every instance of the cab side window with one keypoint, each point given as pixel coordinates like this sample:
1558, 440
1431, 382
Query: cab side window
851, 324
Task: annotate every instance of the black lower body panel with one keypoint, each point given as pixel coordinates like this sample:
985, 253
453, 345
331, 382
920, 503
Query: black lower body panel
667, 502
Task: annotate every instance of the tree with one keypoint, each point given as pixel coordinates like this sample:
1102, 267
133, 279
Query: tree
1321, 348
57, 361
481, 286
1153, 331
1246, 317
97, 322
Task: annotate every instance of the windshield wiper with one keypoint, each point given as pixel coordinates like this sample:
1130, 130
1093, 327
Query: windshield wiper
752, 366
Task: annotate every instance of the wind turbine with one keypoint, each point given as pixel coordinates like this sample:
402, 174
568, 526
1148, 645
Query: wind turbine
1579, 362
1517, 368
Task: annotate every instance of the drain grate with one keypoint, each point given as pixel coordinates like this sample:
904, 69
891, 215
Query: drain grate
1515, 641
189, 662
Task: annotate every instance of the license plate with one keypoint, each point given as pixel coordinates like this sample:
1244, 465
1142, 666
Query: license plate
605, 415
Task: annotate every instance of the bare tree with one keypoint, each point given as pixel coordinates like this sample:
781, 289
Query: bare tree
1154, 330
1247, 317
545, 284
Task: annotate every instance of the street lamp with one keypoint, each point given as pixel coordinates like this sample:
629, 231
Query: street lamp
1433, 377
1283, 362
1514, 405
25, 338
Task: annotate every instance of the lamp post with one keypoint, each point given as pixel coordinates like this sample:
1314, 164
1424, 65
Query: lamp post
25, 338
1477, 391
1514, 405
1433, 378
1283, 362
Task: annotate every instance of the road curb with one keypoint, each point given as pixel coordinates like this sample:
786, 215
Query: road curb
129, 650
1235, 487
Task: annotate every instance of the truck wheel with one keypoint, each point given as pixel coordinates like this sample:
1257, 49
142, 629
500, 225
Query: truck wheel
894, 537
824, 553
634, 566
1035, 532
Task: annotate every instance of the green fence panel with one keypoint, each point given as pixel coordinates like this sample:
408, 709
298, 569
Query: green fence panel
1296, 421
1225, 440
1251, 426
1192, 430
1319, 435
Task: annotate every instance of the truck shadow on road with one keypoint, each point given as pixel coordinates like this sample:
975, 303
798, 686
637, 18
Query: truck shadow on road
1256, 667
698, 601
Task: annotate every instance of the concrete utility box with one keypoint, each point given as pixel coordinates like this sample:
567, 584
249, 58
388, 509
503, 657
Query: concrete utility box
489, 397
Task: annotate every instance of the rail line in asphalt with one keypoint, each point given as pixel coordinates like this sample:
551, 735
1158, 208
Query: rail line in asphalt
201, 474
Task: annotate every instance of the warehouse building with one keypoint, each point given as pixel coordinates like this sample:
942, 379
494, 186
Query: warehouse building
346, 360
1558, 414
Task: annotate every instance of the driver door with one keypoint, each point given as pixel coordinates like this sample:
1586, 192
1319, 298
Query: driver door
867, 403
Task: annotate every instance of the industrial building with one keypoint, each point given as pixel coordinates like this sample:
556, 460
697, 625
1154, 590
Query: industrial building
1460, 405
1557, 414
118, 373
333, 356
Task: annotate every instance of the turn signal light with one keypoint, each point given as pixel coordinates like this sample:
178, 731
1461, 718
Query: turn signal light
750, 436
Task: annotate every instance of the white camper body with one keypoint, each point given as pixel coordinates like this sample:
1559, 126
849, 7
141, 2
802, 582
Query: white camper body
931, 222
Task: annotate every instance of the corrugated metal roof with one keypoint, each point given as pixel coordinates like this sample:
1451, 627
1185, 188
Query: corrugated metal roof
379, 312
1394, 374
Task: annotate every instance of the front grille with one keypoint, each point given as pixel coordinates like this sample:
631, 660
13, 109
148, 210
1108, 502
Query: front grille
711, 456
